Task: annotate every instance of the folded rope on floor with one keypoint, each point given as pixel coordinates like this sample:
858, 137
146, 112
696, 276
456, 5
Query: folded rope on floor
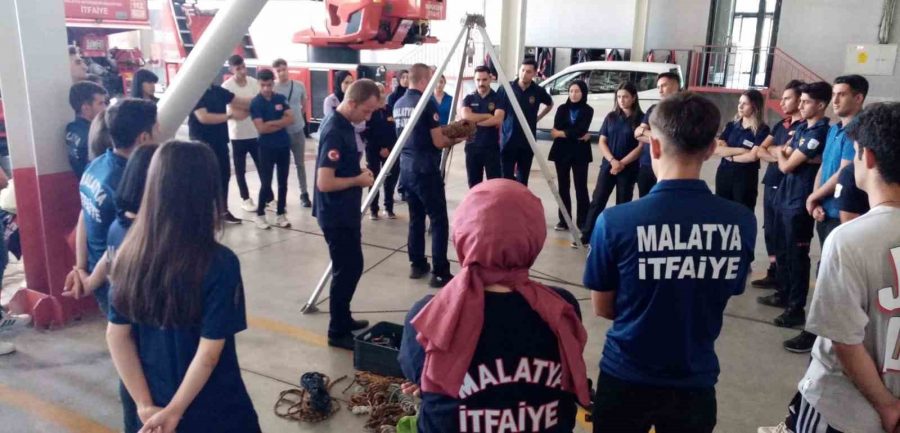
312, 403
381, 398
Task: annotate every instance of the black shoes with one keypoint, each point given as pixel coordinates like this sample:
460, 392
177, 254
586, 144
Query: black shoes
304, 200
439, 281
767, 282
802, 343
231, 219
790, 319
359, 325
774, 300
416, 272
342, 342
561, 227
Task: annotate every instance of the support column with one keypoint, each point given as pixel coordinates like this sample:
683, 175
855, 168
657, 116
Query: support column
35, 80
206, 59
512, 34
641, 21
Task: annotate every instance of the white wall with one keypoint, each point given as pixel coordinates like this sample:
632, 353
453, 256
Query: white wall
580, 23
678, 24
828, 26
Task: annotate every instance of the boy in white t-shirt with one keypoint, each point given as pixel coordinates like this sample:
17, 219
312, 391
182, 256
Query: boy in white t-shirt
852, 383
243, 135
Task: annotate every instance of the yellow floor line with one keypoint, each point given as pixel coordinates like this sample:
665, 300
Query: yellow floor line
70, 420
285, 329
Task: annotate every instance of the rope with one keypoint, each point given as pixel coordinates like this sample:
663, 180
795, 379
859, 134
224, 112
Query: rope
381, 398
311, 404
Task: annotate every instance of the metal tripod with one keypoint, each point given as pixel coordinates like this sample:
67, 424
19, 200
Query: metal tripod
472, 22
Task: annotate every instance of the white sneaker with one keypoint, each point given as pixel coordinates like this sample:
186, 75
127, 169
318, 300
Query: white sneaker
6, 348
780, 428
261, 222
272, 206
14, 321
248, 205
282, 221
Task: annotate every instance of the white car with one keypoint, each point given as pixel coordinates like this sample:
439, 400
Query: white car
602, 79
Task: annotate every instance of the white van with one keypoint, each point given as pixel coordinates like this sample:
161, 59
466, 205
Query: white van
602, 79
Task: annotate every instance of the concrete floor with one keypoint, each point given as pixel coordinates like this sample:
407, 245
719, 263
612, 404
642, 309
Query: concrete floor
64, 381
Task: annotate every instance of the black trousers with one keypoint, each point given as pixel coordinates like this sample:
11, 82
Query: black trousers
345, 249
481, 163
515, 161
623, 183
375, 162
646, 180
795, 232
738, 183
221, 151
270, 160
625, 407
770, 222
579, 176
241, 149
425, 196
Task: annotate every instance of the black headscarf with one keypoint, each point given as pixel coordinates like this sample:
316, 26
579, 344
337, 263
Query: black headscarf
137, 84
339, 78
584, 94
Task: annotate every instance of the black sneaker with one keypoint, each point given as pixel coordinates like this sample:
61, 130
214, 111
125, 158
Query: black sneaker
390, 215
767, 282
439, 281
342, 342
231, 219
359, 325
802, 343
561, 227
790, 319
773, 300
416, 272
304, 200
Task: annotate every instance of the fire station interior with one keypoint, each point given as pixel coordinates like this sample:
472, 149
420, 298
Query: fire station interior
61, 377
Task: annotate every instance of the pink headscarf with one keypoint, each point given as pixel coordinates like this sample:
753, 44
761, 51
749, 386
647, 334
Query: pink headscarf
499, 230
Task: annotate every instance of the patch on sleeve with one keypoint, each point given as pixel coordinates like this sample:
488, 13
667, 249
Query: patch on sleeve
812, 144
334, 155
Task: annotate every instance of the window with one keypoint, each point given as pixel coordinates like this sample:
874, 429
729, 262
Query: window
603, 81
560, 86
645, 80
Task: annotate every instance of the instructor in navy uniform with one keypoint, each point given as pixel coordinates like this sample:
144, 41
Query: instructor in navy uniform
420, 175
483, 107
516, 155
338, 196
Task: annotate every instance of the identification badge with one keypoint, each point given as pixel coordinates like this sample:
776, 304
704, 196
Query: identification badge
813, 144
491, 106
279, 107
748, 143
531, 100
334, 155
437, 118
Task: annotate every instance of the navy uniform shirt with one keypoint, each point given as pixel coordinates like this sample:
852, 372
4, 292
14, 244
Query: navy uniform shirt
782, 132
619, 136
337, 150
848, 196
517, 348
215, 100
645, 147
486, 137
419, 156
736, 136
530, 100
673, 273
77, 144
271, 109
223, 404
799, 184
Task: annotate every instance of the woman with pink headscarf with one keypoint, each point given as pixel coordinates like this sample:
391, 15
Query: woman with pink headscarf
494, 350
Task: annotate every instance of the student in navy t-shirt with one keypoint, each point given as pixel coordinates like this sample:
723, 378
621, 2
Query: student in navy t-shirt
799, 162
737, 178
664, 278
779, 135
620, 151
176, 355
851, 200
132, 126
516, 155
271, 116
88, 100
668, 83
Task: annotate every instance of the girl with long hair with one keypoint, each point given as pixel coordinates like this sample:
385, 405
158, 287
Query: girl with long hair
737, 177
571, 151
143, 85
177, 302
620, 151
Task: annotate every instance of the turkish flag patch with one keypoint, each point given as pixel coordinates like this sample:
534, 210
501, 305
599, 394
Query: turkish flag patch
334, 155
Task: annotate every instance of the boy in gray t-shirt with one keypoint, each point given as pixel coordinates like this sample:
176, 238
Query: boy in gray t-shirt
295, 92
852, 383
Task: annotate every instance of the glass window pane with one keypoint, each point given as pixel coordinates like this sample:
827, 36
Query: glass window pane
645, 80
770, 6
751, 6
560, 86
